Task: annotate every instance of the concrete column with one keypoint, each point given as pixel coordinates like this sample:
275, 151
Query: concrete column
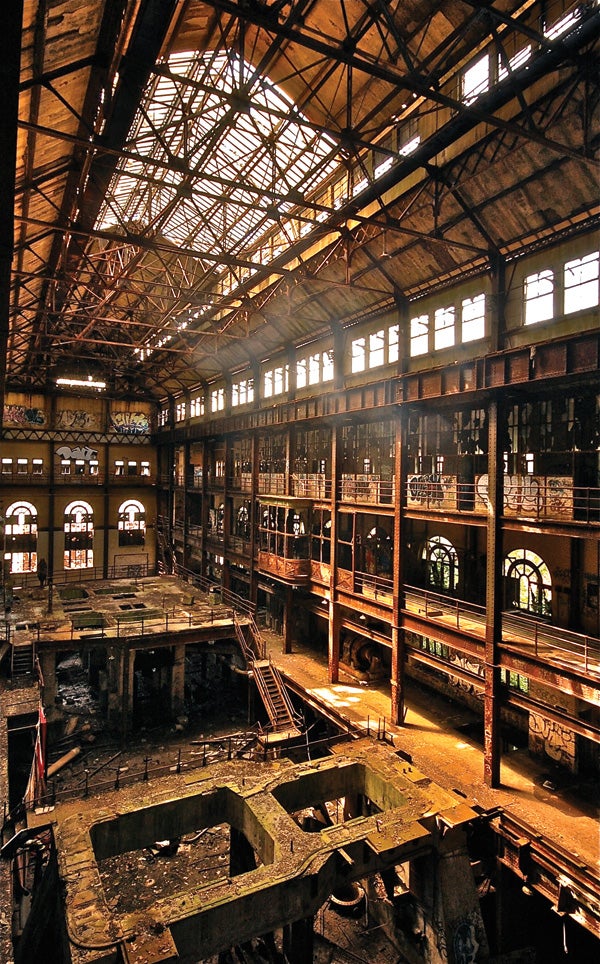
121, 663
298, 940
107, 562
253, 508
178, 680
48, 668
128, 688
444, 887
465, 934
114, 669
251, 701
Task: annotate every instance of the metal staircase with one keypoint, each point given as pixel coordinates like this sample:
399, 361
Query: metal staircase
22, 659
269, 683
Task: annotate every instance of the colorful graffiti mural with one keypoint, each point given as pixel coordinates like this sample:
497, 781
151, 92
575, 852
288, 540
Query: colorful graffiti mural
132, 423
23, 416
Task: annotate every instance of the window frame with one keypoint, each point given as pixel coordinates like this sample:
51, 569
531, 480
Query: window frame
539, 305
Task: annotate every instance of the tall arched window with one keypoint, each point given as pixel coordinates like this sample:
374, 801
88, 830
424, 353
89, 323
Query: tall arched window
79, 536
527, 583
132, 523
21, 537
441, 564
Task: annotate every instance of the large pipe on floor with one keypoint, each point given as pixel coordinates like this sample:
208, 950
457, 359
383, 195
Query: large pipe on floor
63, 761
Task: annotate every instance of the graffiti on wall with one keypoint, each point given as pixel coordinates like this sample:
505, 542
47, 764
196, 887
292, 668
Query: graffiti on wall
521, 492
83, 452
475, 667
553, 740
133, 423
76, 418
465, 943
530, 495
24, 416
559, 495
432, 489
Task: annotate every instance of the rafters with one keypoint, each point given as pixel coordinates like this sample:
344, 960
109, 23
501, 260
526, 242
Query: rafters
180, 215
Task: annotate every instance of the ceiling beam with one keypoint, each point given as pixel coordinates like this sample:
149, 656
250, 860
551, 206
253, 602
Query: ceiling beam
10, 67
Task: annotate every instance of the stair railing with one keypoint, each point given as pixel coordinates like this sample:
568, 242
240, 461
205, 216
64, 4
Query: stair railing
263, 689
254, 651
248, 654
293, 717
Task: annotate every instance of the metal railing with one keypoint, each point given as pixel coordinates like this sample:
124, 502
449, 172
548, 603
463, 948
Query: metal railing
272, 483
379, 588
57, 478
541, 498
229, 598
367, 489
207, 751
311, 486
220, 604
26, 580
530, 634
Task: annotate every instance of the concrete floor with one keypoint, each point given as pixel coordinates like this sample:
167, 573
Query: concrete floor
432, 735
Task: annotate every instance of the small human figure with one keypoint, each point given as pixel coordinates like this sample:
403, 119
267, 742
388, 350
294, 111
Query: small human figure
42, 572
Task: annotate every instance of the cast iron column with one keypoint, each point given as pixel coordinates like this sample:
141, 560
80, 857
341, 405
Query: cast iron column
334, 608
493, 600
397, 707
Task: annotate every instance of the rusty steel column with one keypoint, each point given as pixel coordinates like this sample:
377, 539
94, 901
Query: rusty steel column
254, 521
288, 621
334, 642
334, 609
397, 707
493, 600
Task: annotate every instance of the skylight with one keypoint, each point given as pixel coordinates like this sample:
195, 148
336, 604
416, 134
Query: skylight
238, 135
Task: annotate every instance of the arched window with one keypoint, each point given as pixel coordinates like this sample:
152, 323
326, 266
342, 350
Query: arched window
441, 564
132, 523
21, 534
79, 536
527, 583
